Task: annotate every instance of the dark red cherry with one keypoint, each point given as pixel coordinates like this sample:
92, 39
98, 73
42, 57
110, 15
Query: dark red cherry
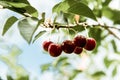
78, 50
90, 45
80, 41
46, 45
68, 46
54, 49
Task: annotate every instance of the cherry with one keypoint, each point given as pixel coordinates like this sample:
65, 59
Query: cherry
90, 45
78, 50
80, 41
54, 49
46, 45
68, 46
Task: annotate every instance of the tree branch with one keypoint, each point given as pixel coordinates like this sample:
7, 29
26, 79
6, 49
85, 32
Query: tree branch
105, 26
111, 32
84, 24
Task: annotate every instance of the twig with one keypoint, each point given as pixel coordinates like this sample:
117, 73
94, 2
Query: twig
111, 32
80, 24
105, 26
86, 25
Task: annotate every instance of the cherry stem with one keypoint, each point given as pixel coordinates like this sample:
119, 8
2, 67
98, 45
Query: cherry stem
58, 38
73, 30
86, 32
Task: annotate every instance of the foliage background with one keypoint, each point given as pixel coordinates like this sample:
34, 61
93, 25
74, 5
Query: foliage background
21, 61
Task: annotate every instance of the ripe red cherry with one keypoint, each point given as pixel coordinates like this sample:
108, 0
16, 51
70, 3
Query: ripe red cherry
68, 46
78, 50
46, 45
80, 41
90, 45
54, 49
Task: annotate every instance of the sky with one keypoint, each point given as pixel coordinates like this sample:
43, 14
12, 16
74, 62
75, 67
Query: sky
32, 56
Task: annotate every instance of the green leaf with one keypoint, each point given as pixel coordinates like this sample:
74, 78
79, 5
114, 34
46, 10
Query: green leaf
114, 15
65, 64
13, 4
62, 6
78, 28
43, 16
18, 5
9, 77
27, 27
96, 33
23, 78
11, 60
28, 9
45, 67
98, 12
41, 32
0, 78
106, 3
117, 22
75, 7
60, 61
17, 10
72, 32
70, 17
40, 21
8, 24
22, 1
54, 30
75, 73
31, 10
107, 62
114, 46
114, 72
38, 35
82, 9
4, 4
15, 51
98, 74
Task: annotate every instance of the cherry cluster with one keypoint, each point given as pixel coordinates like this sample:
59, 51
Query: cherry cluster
70, 46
